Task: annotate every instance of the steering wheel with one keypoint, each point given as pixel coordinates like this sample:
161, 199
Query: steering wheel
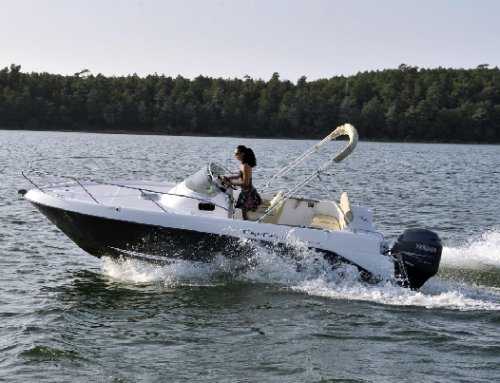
215, 172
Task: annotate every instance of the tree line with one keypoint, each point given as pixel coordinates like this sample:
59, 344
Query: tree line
403, 104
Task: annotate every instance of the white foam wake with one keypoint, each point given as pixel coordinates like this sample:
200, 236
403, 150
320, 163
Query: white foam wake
434, 295
478, 253
307, 272
178, 272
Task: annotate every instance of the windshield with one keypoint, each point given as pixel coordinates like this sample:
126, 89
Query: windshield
201, 182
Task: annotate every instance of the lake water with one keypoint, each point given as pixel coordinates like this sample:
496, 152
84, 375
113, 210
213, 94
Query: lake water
67, 316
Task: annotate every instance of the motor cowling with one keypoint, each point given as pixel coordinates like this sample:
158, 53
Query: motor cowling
416, 253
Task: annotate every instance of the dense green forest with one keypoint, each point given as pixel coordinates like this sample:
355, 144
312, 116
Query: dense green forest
403, 104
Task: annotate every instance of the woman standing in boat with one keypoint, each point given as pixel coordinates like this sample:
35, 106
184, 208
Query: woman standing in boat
249, 198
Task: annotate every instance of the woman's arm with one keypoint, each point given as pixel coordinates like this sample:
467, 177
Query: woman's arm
236, 176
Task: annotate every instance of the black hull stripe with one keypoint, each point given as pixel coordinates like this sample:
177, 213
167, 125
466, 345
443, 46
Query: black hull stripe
104, 236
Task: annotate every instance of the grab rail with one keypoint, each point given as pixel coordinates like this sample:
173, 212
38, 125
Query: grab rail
345, 129
141, 190
342, 130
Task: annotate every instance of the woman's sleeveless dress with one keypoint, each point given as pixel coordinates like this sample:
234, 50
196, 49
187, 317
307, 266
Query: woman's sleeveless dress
249, 198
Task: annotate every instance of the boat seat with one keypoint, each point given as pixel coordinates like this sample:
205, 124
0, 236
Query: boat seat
322, 221
345, 207
329, 222
264, 206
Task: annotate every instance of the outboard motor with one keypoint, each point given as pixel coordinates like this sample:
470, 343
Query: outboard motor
416, 253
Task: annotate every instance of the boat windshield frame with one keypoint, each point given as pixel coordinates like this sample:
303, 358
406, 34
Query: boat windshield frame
202, 182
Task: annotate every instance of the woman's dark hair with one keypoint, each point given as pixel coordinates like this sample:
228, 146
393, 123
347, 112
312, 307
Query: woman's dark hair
248, 156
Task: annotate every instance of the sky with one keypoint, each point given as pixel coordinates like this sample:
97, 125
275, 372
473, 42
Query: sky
238, 38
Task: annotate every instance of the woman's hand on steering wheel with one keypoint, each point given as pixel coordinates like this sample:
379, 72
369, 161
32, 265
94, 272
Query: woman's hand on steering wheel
225, 181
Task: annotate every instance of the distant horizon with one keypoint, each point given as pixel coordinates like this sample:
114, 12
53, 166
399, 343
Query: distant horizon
85, 72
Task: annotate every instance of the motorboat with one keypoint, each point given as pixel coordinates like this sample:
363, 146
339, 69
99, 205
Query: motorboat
196, 219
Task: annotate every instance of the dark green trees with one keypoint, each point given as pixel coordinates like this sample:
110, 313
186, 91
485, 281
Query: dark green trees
403, 104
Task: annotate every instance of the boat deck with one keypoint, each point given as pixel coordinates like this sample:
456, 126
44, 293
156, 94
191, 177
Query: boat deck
142, 195
150, 196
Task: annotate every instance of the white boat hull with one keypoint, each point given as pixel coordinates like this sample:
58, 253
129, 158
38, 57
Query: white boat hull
133, 230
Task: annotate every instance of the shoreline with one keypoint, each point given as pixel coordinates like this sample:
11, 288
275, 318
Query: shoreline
152, 133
